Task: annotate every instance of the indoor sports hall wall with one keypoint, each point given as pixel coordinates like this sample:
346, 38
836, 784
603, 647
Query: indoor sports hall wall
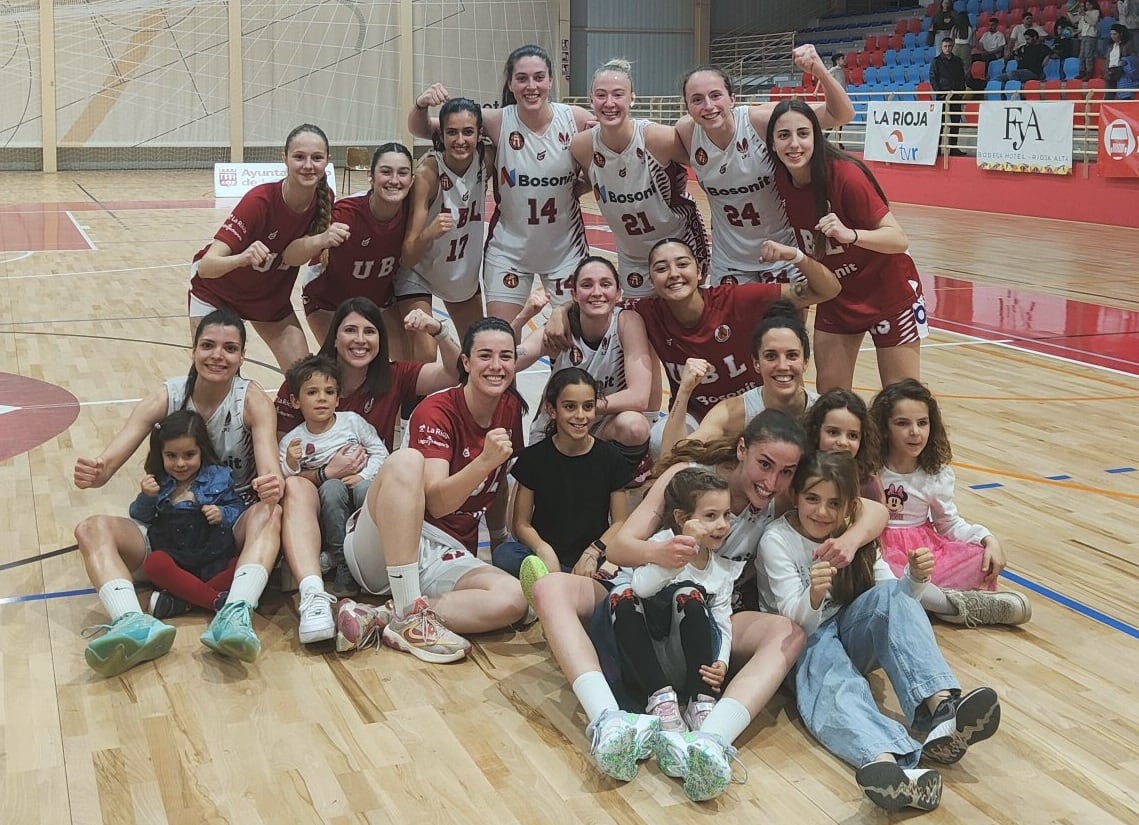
153, 83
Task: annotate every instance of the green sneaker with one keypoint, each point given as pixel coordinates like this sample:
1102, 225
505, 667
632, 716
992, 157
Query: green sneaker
131, 639
532, 569
231, 633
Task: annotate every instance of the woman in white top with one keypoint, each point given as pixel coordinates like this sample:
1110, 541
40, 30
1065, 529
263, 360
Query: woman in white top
724, 145
635, 169
537, 228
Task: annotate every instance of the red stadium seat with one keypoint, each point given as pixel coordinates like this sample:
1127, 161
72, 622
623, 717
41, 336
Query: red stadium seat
902, 26
979, 70
871, 43
1031, 90
856, 78
897, 42
931, 9
915, 25
877, 60
925, 91
1053, 90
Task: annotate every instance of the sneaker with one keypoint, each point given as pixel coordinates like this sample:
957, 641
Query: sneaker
671, 751
129, 640
359, 625
533, 568
698, 710
316, 622
892, 787
708, 770
664, 705
984, 607
619, 740
231, 632
164, 604
960, 722
422, 634
344, 585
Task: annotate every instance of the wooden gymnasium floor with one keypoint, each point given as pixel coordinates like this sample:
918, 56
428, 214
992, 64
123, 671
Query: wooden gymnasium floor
1035, 356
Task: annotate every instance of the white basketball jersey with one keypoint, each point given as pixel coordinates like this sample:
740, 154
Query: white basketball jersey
753, 402
538, 226
452, 261
745, 205
637, 198
228, 433
606, 364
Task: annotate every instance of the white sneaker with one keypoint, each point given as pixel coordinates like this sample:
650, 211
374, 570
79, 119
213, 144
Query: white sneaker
671, 751
961, 722
708, 771
619, 740
316, 621
892, 787
986, 607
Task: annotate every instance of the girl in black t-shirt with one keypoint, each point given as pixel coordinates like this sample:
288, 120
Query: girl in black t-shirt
569, 497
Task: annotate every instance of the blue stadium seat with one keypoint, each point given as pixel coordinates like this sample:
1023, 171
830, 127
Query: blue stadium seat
993, 90
1105, 24
995, 68
988, 6
905, 57
1011, 64
870, 75
890, 57
1003, 5
910, 40
1052, 69
924, 76
1012, 89
1071, 68
973, 6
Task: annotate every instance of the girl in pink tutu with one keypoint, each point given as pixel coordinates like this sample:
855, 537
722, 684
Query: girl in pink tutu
918, 484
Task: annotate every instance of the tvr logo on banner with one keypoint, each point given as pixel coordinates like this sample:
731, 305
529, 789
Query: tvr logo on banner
1022, 136
903, 132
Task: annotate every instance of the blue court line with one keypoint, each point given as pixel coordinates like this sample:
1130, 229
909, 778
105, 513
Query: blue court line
1121, 470
1061, 477
1072, 604
39, 597
989, 486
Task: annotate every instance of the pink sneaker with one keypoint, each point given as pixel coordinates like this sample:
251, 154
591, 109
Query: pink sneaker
359, 625
664, 705
422, 634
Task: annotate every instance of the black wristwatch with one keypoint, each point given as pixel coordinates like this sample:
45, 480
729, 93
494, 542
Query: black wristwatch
600, 545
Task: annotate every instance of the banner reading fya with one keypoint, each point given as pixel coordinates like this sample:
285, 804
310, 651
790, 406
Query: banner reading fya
1019, 136
903, 132
1118, 141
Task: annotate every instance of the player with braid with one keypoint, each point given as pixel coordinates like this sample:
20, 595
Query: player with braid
253, 260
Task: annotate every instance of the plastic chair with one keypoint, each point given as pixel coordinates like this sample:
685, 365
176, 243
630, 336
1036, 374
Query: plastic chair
973, 7
931, 9
910, 40
993, 90
911, 75
1031, 90
959, 6
977, 70
901, 27
890, 57
1011, 64
915, 25
1052, 70
356, 159
1012, 89
876, 60
995, 68
1071, 67
871, 43
925, 91
1048, 13
905, 57
923, 73
1105, 24
870, 75
856, 78
1003, 5
988, 6
1053, 89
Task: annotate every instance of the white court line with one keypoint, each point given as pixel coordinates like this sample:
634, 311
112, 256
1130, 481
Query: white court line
952, 343
80, 229
1026, 351
19, 257
108, 403
94, 272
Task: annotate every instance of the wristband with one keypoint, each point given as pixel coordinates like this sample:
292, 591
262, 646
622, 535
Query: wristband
855, 241
444, 333
799, 256
321, 477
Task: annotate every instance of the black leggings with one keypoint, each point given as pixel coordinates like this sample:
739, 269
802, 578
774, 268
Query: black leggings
637, 623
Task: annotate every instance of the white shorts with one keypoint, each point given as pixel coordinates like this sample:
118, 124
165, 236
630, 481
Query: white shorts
501, 283
409, 283
656, 433
442, 559
195, 306
786, 275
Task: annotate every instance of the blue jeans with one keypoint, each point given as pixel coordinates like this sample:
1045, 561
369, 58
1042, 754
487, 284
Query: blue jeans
509, 556
338, 501
884, 627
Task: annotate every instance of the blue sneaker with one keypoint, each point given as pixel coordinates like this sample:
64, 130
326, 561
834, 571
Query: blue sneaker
231, 633
131, 639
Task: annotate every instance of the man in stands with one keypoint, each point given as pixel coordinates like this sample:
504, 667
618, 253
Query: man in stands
991, 44
1018, 37
1030, 59
947, 74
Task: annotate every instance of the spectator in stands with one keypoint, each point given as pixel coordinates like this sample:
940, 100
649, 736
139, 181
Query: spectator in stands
838, 72
1120, 48
947, 74
1130, 78
1087, 24
1063, 38
992, 44
1031, 59
944, 20
1019, 35
962, 36
1127, 12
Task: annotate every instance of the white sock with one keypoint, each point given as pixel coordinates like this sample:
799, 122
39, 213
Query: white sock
119, 598
727, 720
594, 693
310, 584
248, 584
933, 599
404, 580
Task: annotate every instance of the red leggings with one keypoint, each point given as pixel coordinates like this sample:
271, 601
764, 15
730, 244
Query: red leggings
165, 574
